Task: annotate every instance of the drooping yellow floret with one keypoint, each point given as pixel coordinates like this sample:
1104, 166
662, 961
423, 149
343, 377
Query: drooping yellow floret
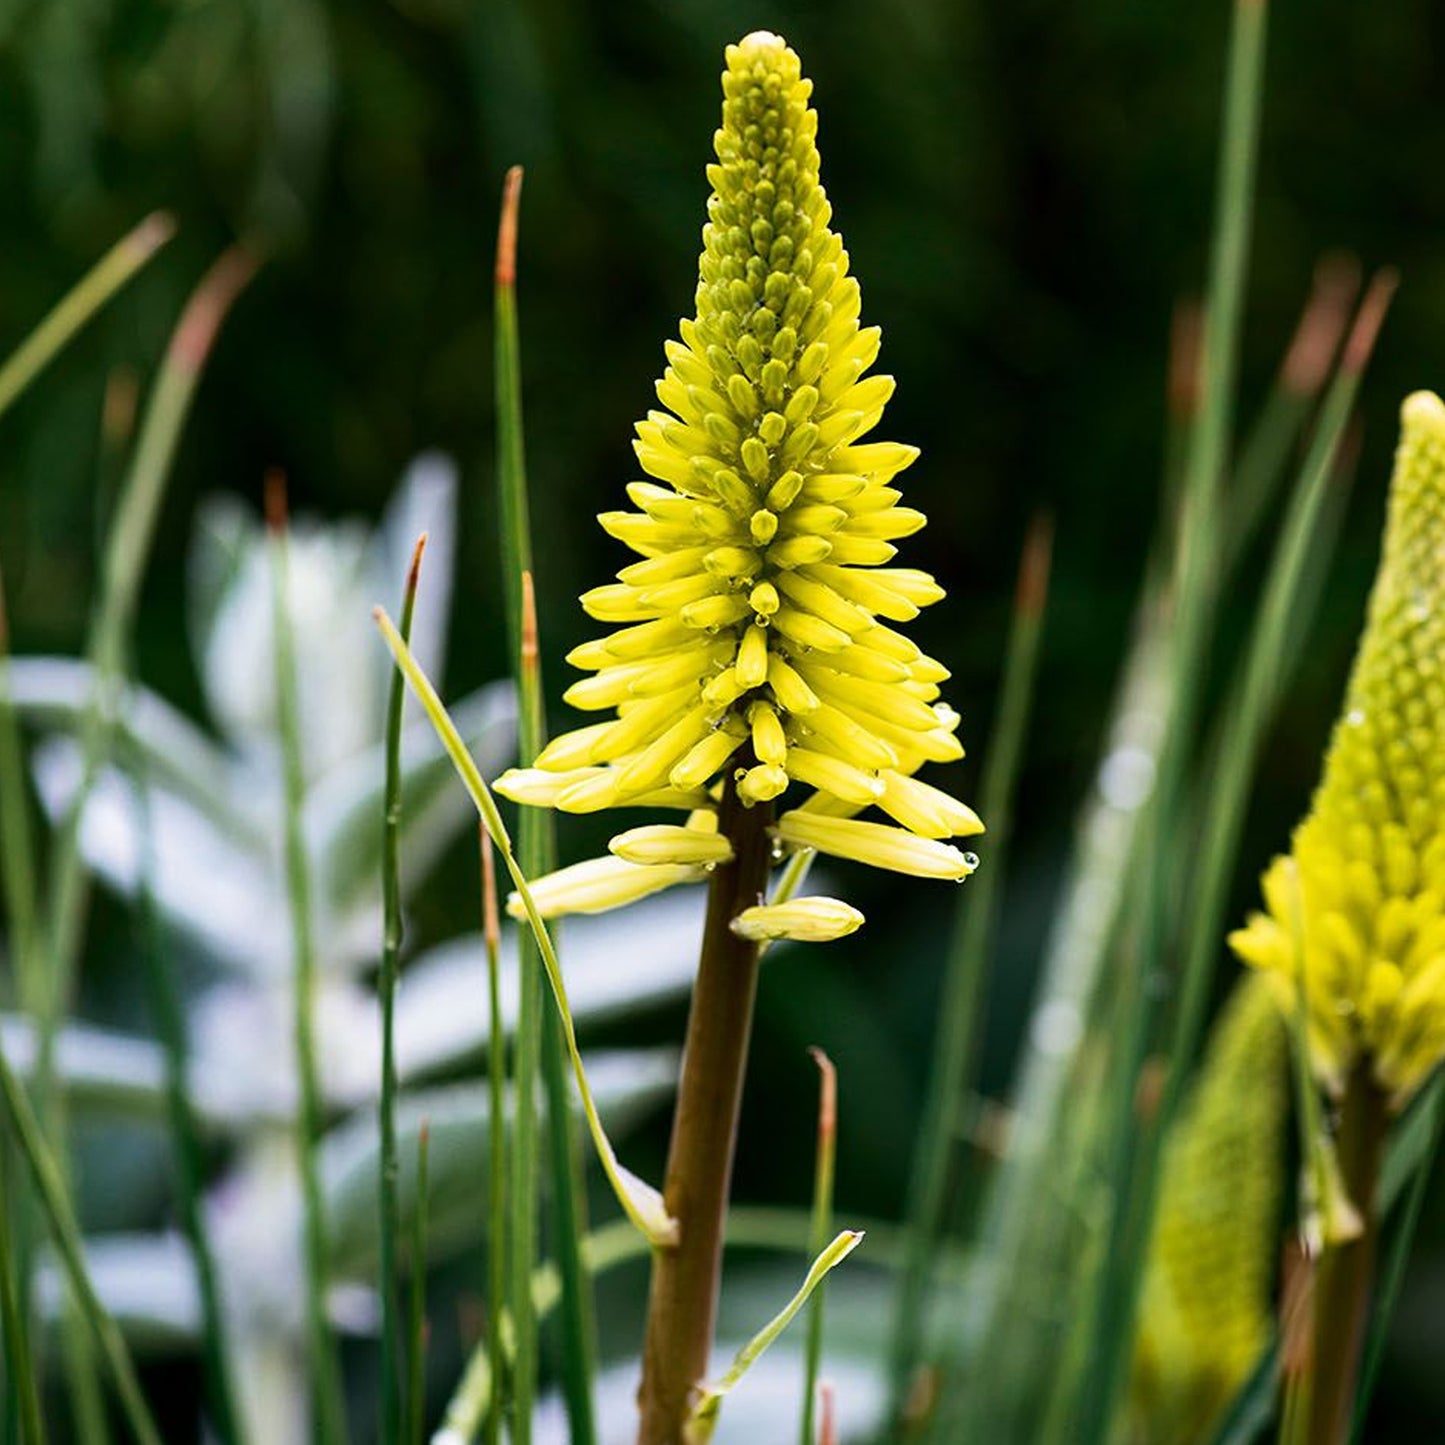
752, 640
1357, 907
1206, 1310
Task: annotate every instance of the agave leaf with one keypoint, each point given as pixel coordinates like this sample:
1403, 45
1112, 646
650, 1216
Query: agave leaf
615, 964
212, 886
344, 808
147, 1283
626, 1085
54, 693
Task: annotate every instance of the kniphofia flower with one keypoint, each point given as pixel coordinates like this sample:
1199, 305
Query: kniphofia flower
753, 640
1357, 907
1207, 1308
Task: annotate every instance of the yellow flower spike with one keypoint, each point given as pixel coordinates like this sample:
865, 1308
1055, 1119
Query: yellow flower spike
752, 643
1206, 1309
805, 920
1356, 906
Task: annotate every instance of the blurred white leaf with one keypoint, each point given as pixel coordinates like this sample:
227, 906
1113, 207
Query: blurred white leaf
55, 692
615, 964
627, 1085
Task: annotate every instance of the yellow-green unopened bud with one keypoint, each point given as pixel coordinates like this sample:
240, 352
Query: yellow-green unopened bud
600, 884
1206, 1310
807, 920
664, 843
875, 844
751, 642
1356, 904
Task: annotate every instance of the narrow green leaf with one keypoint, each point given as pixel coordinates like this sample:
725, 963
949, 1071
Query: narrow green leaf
703, 1420
642, 1203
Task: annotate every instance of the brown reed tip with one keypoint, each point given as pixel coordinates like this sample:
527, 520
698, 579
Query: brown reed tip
1035, 564
1322, 323
151, 234
1186, 353
413, 572
827, 1414
196, 331
277, 512
529, 623
827, 1093
507, 228
491, 918
1369, 319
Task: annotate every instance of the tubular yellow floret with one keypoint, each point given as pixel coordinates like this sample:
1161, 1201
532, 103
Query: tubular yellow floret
806, 920
1356, 903
600, 884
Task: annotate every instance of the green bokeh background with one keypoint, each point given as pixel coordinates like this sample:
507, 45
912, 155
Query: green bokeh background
1025, 191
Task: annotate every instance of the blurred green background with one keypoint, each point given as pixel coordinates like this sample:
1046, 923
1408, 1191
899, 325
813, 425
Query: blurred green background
1025, 191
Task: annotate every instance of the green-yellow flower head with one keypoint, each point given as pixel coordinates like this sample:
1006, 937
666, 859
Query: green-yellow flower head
753, 639
1207, 1295
1357, 907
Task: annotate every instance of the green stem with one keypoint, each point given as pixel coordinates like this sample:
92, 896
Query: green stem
185, 1136
1346, 1271
81, 302
956, 1041
325, 1369
391, 940
19, 1378
822, 1230
682, 1304
539, 1042
65, 1230
497, 1146
416, 1324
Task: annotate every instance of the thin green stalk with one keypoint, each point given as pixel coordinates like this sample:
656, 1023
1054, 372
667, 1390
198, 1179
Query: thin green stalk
185, 1138
325, 1369
642, 1204
123, 567
538, 1036
1393, 1274
497, 1145
1196, 571
65, 1230
391, 940
416, 1323
823, 1171
18, 878
956, 1039
81, 302
1224, 819
19, 1378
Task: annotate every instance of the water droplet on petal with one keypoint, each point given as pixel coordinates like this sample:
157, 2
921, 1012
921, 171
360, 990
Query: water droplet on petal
971, 859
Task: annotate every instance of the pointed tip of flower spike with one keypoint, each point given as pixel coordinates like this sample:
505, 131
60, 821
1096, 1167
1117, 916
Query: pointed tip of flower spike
1423, 411
805, 920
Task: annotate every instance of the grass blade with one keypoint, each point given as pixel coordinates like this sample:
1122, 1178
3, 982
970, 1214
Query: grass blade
19, 1376
641, 1202
539, 1038
81, 302
703, 1421
497, 1161
50, 1186
416, 1322
185, 1135
391, 939
822, 1227
325, 1369
956, 1041
1223, 821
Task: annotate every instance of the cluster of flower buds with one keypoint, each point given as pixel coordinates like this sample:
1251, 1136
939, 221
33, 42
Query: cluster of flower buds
753, 644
